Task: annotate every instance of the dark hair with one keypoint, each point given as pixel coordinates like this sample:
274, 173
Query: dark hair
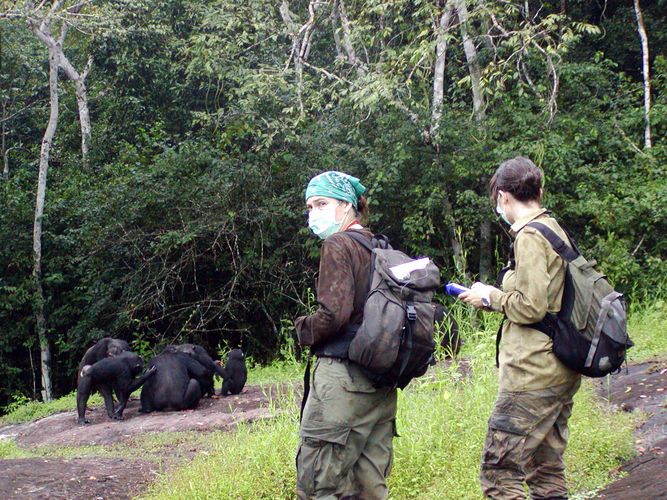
361, 212
518, 176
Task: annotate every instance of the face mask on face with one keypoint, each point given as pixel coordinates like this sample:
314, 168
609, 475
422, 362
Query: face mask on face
501, 212
323, 222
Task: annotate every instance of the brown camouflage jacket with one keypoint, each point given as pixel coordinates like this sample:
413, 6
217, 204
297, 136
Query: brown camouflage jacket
342, 286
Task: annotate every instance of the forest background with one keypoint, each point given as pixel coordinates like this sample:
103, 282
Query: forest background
178, 137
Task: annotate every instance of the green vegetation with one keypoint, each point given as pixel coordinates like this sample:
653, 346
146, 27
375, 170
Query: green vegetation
647, 326
24, 410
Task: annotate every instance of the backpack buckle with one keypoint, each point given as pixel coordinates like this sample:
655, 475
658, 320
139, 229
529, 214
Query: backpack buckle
412, 312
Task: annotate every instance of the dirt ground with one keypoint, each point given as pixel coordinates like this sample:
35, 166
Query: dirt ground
119, 477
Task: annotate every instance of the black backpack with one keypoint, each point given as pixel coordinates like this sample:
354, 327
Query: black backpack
394, 343
589, 333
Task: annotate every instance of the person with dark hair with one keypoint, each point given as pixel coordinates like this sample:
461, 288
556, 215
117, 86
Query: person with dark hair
347, 425
527, 431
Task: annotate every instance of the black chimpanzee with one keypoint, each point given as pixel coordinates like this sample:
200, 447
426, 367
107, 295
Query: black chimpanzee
450, 340
198, 353
106, 347
103, 348
175, 386
117, 374
235, 373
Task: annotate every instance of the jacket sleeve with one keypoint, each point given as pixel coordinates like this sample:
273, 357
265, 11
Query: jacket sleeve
335, 296
528, 302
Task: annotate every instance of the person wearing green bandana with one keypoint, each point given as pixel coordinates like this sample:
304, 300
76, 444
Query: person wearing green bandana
347, 425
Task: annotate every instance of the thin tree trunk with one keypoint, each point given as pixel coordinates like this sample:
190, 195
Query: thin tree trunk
47, 141
641, 28
473, 64
5, 153
485, 250
439, 69
563, 7
347, 39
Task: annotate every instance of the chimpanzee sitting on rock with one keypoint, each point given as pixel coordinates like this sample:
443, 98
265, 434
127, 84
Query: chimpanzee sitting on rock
116, 373
176, 385
199, 354
234, 373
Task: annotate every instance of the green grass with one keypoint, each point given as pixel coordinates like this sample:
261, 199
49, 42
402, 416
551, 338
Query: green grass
10, 450
647, 327
34, 410
278, 371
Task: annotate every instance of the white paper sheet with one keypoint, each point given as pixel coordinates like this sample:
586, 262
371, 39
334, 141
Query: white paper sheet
402, 271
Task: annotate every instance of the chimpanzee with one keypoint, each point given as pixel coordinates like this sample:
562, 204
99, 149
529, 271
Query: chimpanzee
235, 373
106, 347
175, 386
117, 374
450, 340
103, 348
198, 353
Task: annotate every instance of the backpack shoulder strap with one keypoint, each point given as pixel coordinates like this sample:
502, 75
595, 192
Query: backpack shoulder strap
559, 246
362, 240
378, 240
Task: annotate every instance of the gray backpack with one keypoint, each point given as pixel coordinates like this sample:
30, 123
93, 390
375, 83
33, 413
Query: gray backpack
394, 342
589, 333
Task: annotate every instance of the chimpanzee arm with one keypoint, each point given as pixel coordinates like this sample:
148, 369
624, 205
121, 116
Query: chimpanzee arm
220, 370
138, 382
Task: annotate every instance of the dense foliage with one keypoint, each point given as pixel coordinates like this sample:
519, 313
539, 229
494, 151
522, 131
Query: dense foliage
187, 223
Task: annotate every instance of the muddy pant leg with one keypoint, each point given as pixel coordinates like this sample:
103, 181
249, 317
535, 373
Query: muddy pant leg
501, 474
545, 468
373, 466
526, 440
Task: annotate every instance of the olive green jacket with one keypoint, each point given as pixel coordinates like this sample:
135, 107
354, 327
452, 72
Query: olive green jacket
532, 289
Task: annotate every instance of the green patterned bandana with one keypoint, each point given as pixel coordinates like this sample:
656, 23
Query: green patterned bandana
336, 185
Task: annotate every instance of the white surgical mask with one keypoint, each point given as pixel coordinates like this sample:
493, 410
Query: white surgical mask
501, 212
323, 222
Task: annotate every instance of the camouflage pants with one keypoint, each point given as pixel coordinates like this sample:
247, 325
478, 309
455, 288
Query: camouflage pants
345, 440
525, 442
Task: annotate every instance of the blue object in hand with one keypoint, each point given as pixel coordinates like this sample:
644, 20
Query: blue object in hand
455, 289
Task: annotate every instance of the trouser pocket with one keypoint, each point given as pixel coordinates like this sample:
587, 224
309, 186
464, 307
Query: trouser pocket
323, 465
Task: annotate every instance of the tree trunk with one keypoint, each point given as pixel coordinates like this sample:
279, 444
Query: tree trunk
473, 64
347, 39
5, 153
485, 251
47, 141
439, 70
563, 7
641, 28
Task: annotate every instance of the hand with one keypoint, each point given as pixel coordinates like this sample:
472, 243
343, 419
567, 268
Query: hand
475, 295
